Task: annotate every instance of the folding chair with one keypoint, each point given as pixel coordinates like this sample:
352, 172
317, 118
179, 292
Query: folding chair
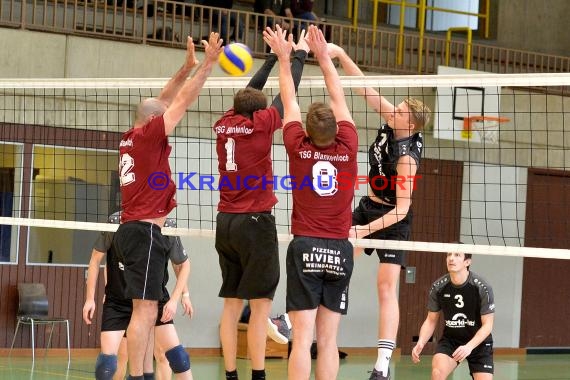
33, 307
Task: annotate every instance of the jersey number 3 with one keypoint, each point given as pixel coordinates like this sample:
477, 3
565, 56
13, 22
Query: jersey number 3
459, 299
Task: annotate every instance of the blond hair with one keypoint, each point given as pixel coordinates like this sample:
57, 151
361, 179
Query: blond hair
420, 113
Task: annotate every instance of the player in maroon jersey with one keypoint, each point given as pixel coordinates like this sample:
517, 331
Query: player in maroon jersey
386, 212
320, 257
246, 235
144, 152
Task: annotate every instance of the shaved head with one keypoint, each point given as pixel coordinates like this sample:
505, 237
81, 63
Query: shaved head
147, 108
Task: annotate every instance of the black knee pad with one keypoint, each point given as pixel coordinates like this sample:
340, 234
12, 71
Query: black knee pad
105, 367
178, 359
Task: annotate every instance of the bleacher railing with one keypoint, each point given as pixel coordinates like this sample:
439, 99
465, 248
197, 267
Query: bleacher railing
164, 22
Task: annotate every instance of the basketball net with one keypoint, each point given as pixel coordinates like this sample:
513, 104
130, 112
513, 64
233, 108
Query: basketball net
487, 128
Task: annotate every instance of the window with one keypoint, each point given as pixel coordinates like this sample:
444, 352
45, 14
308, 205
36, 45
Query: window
10, 190
69, 184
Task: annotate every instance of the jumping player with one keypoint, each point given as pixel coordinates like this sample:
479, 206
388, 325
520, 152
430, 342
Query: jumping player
385, 213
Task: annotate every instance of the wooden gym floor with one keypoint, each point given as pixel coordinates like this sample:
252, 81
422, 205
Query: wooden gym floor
354, 367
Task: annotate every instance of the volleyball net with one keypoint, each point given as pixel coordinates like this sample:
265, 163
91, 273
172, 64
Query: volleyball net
494, 172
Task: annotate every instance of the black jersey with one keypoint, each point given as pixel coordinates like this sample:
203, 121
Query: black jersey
462, 306
383, 157
115, 275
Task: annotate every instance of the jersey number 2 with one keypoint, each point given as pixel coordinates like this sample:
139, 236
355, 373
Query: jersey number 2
126, 166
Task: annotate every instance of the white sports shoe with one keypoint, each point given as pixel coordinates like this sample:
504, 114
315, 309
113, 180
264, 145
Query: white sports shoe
279, 329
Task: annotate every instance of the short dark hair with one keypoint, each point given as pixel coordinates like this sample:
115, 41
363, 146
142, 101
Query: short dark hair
249, 100
321, 124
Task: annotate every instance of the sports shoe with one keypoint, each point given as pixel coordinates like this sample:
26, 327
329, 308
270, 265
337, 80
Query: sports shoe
377, 375
279, 329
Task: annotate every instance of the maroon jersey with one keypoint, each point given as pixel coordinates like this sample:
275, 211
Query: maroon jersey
147, 190
244, 160
320, 207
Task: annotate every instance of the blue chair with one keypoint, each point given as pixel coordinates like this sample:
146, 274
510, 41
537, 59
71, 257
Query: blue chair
33, 307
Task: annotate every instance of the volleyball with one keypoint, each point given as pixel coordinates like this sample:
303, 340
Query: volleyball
236, 59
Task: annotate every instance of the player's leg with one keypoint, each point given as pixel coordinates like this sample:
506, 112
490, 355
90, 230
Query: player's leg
231, 268
148, 363
481, 362
327, 331
170, 355
142, 249
114, 321
441, 366
304, 290
106, 364
138, 333
482, 376
258, 249
303, 322
228, 331
257, 331
388, 277
122, 359
388, 314
333, 304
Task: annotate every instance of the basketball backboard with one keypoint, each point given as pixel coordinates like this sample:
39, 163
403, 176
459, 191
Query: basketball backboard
453, 105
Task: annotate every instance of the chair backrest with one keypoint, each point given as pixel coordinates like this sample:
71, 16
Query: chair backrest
33, 301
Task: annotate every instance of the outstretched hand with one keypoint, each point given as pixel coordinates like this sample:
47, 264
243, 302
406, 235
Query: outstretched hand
317, 42
277, 41
191, 59
334, 50
302, 42
213, 47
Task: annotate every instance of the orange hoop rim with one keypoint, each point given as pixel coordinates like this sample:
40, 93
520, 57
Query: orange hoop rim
468, 121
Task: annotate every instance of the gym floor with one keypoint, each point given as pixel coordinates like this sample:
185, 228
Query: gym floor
507, 367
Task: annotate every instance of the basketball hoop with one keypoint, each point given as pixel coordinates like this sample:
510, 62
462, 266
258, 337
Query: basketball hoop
487, 128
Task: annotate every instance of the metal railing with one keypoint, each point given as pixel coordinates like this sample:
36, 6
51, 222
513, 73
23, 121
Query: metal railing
167, 22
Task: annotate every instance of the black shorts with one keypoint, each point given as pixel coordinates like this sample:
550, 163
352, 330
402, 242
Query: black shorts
248, 254
143, 250
318, 273
368, 211
480, 359
117, 314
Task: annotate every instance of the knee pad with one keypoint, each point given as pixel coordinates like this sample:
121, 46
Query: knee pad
105, 367
178, 359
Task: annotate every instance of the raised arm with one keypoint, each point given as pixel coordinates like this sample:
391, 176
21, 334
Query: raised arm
282, 48
318, 45
373, 97
192, 87
91, 285
426, 331
259, 79
171, 88
301, 51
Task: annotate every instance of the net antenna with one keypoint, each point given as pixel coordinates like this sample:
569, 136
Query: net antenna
487, 127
